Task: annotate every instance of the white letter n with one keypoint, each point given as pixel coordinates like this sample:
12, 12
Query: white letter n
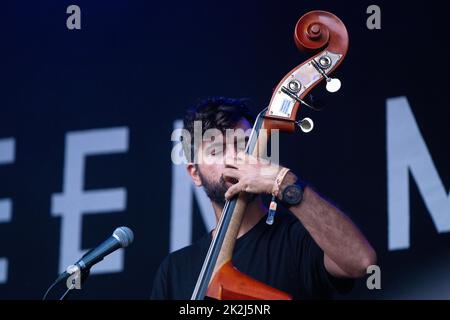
407, 152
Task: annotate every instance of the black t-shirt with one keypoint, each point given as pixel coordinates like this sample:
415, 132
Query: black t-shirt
282, 255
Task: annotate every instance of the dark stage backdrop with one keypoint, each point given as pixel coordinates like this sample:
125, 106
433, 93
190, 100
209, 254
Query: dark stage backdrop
86, 118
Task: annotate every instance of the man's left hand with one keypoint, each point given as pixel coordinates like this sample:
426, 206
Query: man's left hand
253, 175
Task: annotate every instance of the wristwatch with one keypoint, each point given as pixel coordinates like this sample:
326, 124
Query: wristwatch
293, 194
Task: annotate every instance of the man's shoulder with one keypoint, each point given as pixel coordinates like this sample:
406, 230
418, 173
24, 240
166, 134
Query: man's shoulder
177, 273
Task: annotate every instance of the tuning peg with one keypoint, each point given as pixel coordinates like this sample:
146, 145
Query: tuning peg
306, 124
333, 84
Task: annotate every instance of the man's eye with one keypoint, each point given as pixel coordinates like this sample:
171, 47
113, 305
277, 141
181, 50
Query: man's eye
215, 152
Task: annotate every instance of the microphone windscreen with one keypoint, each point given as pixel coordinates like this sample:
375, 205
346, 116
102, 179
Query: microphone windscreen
124, 235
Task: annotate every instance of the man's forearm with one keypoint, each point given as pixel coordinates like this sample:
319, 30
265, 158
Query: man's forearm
342, 242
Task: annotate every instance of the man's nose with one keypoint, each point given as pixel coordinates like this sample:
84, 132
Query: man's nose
230, 156
231, 152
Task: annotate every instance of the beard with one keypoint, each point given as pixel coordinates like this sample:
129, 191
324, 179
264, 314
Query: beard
215, 190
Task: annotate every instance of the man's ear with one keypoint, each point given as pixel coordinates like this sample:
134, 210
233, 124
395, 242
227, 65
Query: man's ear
192, 170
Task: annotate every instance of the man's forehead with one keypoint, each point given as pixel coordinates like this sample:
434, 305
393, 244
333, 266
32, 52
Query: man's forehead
240, 132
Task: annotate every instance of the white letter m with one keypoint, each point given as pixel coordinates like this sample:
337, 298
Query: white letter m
407, 152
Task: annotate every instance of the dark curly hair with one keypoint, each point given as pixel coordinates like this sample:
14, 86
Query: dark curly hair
215, 113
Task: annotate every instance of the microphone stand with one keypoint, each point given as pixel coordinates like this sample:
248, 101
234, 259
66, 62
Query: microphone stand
84, 274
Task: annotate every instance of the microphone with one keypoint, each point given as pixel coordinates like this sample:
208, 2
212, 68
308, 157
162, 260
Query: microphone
122, 237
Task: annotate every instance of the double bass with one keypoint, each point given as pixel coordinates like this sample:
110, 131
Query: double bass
323, 34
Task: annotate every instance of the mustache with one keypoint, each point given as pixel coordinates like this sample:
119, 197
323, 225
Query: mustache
215, 190
223, 181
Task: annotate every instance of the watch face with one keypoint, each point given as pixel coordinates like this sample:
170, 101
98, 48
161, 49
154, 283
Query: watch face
292, 195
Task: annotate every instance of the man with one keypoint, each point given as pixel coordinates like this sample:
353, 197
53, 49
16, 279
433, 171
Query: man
309, 253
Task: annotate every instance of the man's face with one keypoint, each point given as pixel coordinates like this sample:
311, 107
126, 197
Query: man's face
216, 156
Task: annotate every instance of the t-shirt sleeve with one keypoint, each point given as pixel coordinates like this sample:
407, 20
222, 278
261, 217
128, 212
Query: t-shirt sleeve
160, 285
309, 261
